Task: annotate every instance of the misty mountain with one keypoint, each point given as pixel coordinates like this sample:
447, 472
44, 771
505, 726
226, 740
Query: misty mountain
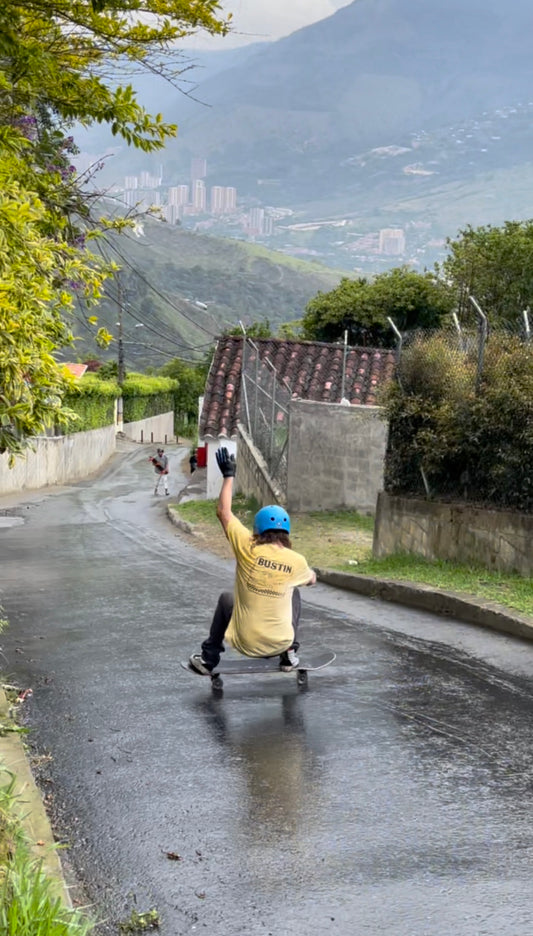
180, 290
196, 68
370, 75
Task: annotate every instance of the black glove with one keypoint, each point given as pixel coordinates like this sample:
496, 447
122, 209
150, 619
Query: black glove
226, 463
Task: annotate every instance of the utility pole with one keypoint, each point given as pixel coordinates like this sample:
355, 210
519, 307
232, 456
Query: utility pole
121, 373
120, 369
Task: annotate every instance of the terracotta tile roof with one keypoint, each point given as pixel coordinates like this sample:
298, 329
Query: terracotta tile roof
312, 370
77, 370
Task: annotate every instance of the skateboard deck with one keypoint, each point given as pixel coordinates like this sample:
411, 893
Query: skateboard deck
264, 665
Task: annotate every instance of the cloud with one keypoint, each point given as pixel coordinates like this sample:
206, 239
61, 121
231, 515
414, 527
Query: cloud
267, 20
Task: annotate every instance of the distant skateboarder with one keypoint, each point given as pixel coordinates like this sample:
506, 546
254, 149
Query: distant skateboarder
261, 617
160, 463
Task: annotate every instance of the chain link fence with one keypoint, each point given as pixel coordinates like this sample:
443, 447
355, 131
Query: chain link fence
265, 411
461, 418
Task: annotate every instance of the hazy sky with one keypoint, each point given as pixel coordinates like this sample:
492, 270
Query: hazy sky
263, 20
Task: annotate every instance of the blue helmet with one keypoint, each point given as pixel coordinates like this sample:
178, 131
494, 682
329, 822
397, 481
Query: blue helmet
271, 518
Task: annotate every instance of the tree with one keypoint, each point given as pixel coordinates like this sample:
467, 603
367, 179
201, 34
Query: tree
362, 308
495, 265
58, 63
191, 378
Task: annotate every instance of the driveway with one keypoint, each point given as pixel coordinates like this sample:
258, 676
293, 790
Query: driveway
394, 796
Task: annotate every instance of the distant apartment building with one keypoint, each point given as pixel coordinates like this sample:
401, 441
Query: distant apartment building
178, 195
198, 168
256, 220
171, 213
131, 182
217, 199
199, 196
130, 197
392, 241
222, 199
149, 181
231, 198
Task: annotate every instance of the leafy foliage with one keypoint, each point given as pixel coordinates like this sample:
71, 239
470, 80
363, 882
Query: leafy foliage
147, 396
495, 265
362, 308
191, 384
91, 403
28, 904
472, 445
58, 63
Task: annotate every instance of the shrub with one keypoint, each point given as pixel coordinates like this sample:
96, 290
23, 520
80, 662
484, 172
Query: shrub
147, 396
92, 402
463, 441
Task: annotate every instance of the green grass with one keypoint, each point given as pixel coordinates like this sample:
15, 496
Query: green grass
342, 540
512, 591
28, 904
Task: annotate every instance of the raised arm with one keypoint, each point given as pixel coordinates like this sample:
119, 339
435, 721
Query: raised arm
226, 463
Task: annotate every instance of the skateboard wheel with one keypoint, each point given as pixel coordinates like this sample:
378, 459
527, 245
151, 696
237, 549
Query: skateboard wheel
216, 682
301, 677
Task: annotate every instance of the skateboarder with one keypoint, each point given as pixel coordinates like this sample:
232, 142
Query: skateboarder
261, 617
160, 463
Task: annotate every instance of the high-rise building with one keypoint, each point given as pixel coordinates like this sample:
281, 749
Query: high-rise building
392, 241
198, 168
230, 200
256, 220
171, 213
178, 195
217, 199
131, 182
130, 197
199, 195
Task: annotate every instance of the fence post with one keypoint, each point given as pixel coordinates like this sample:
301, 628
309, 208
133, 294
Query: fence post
483, 331
399, 345
525, 313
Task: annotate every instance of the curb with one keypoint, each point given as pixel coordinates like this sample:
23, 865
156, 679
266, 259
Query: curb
449, 604
29, 807
179, 523
470, 610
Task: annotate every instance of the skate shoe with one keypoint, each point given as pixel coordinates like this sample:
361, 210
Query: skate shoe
288, 660
196, 663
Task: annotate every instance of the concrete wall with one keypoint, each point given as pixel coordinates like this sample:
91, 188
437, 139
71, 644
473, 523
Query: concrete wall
155, 429
214, 478
252, 477
336, 456
498, 540
58, 460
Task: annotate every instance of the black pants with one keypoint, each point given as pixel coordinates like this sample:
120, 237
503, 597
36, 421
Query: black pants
214, 645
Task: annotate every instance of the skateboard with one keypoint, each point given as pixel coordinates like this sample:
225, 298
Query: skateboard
264, 666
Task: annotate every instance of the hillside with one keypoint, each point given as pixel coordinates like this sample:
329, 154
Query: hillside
180, 290
374, 71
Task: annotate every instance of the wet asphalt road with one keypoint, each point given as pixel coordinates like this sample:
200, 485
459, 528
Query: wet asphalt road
392, 797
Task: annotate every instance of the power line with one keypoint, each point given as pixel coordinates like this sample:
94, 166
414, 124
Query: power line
128, 308
161, 295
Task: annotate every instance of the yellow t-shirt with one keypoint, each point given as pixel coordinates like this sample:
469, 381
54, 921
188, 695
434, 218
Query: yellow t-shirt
261, 623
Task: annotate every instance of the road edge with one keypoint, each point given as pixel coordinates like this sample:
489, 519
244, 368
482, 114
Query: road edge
29, 807
469, 609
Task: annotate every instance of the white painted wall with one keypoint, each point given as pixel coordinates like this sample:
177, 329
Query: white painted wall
58, 460
214, 478
161, 427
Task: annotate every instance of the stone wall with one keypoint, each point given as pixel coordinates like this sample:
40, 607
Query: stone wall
499, 540
58, 460
336, 456
252, 477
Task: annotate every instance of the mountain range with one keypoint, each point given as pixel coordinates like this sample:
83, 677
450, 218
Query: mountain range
371, 75
411, 114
